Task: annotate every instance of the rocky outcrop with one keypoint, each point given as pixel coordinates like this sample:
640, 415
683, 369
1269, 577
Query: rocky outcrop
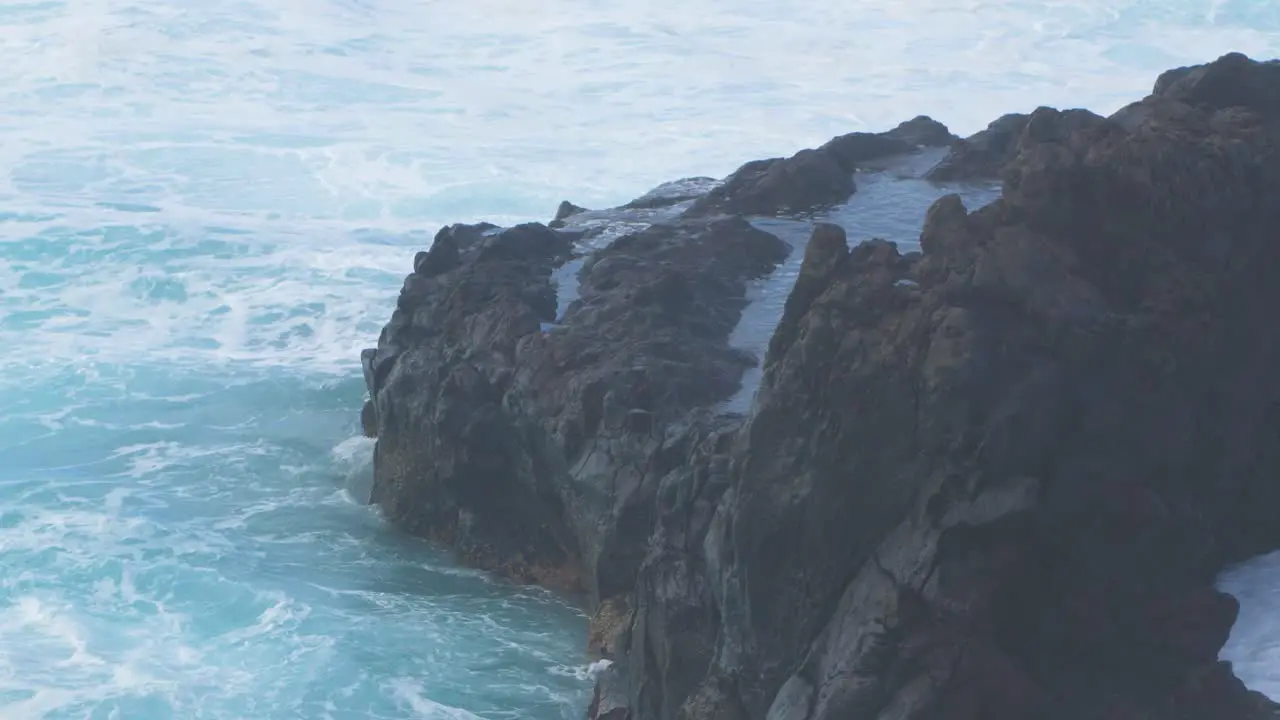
536, 448
991, 480
816, 178
985, 153
563, 213
532, 437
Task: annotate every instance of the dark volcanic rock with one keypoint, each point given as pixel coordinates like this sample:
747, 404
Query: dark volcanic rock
1233, 81
564, 212
446, 442
813, 179
536, 453
992, 481
984, 154
662, 205
1004, 491
673, 193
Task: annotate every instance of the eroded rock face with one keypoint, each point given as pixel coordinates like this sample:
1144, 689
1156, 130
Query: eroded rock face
537, 449
449, 453
992, 481
1002, 490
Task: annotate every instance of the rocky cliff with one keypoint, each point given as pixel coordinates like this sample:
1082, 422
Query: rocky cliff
992, 480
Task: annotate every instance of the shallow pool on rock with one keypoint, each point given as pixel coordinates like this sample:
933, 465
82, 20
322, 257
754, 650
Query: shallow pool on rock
1254, 646
890, 204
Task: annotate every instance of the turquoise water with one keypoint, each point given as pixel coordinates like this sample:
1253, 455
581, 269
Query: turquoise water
206, 210
180, 540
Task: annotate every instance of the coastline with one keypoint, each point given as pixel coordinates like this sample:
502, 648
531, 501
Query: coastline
877, 534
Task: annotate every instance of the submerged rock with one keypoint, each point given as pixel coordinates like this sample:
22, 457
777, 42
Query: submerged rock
993, 480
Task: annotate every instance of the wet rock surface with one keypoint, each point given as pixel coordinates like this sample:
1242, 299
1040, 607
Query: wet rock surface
816, 178
535, 447
992, 480
985, 153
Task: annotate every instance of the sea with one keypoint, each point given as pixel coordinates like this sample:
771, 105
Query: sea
207, 209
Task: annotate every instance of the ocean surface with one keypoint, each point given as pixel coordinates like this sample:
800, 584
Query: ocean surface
206, 210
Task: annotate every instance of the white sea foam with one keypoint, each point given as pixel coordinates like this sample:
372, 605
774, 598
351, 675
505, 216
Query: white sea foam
1254, 647
298, 123
412, 695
